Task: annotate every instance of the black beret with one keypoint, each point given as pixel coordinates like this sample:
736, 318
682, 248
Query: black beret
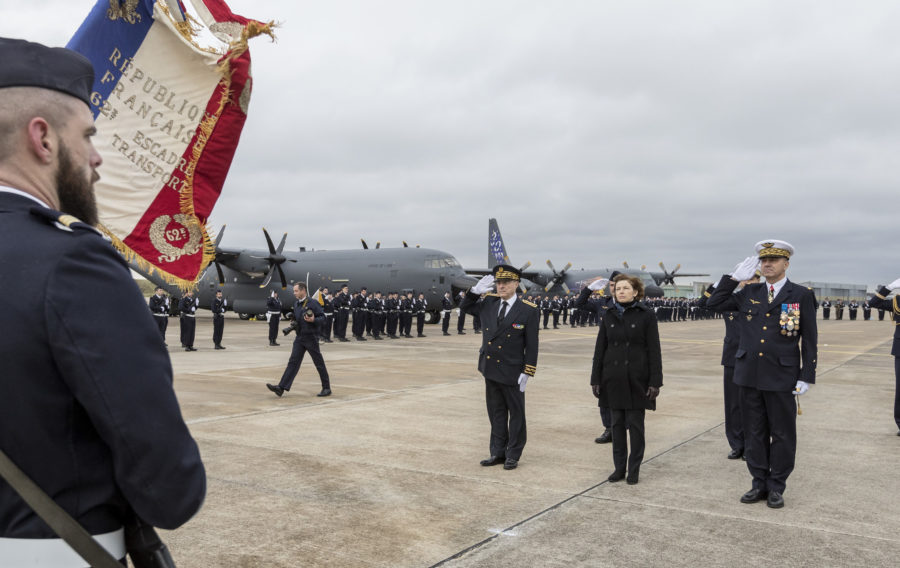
614, 274
28, 64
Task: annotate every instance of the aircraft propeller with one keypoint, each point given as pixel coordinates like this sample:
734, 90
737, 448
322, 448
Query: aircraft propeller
219, 256
522, 269
275, 260
558, 277
668, 277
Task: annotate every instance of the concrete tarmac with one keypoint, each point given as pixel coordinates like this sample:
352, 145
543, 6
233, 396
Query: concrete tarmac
385, 472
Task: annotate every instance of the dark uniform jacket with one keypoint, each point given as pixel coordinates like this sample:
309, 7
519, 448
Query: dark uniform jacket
766, 359
273, 304
159, 305
880, 301
511, 348
732, 330
88, 410
627, 358
188, 305
304, 327
219, 306
599, 306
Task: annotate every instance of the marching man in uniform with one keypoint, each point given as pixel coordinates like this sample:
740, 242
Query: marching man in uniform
507, 359
775, 361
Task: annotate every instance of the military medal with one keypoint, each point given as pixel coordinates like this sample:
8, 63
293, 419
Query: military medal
790, 319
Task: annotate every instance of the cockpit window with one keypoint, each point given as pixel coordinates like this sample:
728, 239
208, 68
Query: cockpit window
447, 262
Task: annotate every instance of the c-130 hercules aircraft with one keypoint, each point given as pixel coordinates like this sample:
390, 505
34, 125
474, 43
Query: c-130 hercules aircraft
247, 276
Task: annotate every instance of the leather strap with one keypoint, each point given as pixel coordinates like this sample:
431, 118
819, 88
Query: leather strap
56, 518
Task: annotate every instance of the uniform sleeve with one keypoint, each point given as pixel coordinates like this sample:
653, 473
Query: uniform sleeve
809, 338
880, 302
531, 343
654, 352
582, 299
599, 352
722, 299
701, 303
470, 304
110, 355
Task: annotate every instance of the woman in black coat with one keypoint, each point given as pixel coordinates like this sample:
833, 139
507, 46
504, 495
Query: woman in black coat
627, 372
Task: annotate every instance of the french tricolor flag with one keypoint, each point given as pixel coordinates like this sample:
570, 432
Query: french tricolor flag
170, 98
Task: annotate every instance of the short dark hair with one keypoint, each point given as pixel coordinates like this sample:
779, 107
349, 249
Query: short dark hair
301, 285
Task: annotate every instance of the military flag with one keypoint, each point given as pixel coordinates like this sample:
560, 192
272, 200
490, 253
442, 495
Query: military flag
169, 103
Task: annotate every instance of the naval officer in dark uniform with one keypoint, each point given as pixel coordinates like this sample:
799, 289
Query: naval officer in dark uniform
188, 320
273, 312
159, 307
775, 361
219, 305
308, 319
734, 428
880, 301
507, 359
90, 417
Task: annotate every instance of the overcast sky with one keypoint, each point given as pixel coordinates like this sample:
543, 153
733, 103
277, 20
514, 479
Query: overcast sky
594, 131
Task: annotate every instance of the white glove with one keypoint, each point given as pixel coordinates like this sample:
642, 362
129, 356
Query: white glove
801, 388
746, 269
523, 380
894, 285
598, 284
484, 285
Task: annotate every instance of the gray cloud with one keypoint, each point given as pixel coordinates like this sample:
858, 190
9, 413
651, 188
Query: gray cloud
594, 131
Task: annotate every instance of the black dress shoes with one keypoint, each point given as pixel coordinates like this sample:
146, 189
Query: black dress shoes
775, 500
754, 495
325, 392
190, 349
632, 478
445, 333
275, 388
273, 344
219, 346
616, 476
736, 454
510, 463
493, 460
605, 437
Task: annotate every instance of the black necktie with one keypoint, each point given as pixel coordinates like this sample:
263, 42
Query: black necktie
502, 314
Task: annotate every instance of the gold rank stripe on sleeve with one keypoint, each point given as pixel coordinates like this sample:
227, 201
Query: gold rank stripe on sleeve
896, 306
878, 295
706, 294
492, 294
532, 304
530, 370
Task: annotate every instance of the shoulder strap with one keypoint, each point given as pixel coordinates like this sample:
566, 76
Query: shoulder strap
61, 522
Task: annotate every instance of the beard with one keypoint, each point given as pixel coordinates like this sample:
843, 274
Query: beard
75, 190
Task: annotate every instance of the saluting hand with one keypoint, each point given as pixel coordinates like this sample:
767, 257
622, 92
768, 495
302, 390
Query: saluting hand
484, 285
894, 285
745, 269
598, 284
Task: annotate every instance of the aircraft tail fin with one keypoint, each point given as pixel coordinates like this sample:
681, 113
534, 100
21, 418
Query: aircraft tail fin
496, 248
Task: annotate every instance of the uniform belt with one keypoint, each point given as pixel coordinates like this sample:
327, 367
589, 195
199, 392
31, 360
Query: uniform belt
161, 315
54, 551
189, 315
273, 313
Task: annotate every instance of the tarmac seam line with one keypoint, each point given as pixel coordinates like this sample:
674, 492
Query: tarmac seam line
477, 545
740, 518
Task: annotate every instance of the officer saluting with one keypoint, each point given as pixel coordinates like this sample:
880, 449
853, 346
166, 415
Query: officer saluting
775, 360
92, 419
507, 359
